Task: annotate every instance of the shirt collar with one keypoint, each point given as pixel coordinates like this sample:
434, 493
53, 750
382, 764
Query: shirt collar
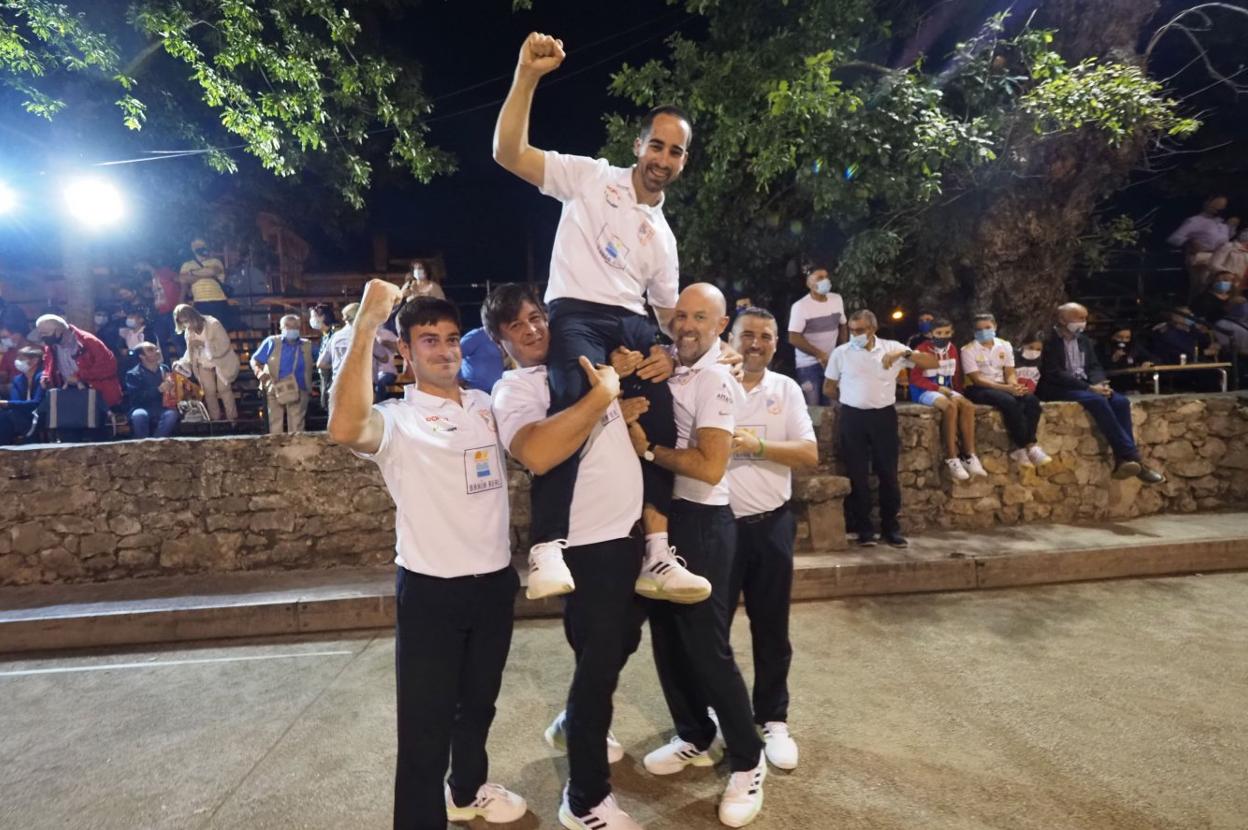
762, 384
626, 180
411, 394
705, 361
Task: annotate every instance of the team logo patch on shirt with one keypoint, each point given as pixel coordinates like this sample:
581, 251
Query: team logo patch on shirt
488, 418
482, 471
773, 406
612, 194
645, 232
440, 424
611, 248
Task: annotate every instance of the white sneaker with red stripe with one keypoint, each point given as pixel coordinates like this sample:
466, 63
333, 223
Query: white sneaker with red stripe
494, 803
606, 815
674, 756
743, 797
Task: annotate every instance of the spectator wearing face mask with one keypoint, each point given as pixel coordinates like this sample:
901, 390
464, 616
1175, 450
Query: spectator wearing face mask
1200, 236
1027, 362
1124, 351
148, 384
941, 388
205, 275
166, 295
988, 362
816, 326
1180, 339
283, 356
1211, 305
1070, 371
73, 357
923, 329
1232, 257
17, 411
1232, 330
12, 341
137, 331
321, 318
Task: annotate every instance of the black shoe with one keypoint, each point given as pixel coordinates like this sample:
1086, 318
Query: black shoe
866, 540
1150, 476
1127, 469
895, 539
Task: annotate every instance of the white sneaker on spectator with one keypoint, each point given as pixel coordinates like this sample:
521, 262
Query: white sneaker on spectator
494, 803
974, 466
606, 815
779, 746
743, 797
1022, 458
1038, 456
548, 573
557, 738
665, 576
674, 756
957, 470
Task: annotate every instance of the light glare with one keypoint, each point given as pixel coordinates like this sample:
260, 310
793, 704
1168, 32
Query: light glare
94, 202
8, 199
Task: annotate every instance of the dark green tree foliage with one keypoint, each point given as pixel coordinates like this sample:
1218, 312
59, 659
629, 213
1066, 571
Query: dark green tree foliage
935, 188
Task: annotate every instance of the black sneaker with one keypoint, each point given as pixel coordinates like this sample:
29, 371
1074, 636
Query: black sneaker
866, 540
895, 539
1150, 476
1127, 469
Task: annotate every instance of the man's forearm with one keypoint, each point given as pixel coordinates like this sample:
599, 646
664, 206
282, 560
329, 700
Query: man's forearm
793, 454
799, 341
546, 444
511, 133
351, 397
690, 462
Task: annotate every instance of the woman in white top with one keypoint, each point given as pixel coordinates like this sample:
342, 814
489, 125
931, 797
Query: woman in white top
210, 357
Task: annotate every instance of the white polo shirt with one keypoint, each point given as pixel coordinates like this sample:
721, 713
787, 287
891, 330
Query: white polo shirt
864, 382
606, 501
609, 248
818, 322
774, 410
447, 474
705, 396
989, 360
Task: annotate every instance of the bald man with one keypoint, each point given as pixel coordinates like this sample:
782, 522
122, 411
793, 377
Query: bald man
1070, 371
691, 651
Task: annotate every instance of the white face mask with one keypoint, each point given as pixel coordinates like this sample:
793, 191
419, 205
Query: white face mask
6, 343
22, 366
1076, 328
132, 323
823, 287
290, 334
315, 323
1031, 354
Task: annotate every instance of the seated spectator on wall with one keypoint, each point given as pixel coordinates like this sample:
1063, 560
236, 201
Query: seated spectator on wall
941, 388
483, 361
1232, 330
17, 411
149, 385
988, 365
1124, 351
279, 359
923, 329
1181, 339
1027, 361
1070, 371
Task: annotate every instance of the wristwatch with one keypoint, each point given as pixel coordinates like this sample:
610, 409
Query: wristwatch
649, 453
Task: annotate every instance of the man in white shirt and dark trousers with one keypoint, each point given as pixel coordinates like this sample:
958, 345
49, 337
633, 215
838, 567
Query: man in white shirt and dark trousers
613, 251
862, 377
691, 650
773, 436
603, 617
439, 455
816, 326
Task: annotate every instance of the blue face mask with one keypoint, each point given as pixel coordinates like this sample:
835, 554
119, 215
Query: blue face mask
1222, 288
858, 341
925, 326
985, 335
823, 287
290, 334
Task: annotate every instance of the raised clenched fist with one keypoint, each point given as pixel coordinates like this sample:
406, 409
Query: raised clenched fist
380, 298
540, 54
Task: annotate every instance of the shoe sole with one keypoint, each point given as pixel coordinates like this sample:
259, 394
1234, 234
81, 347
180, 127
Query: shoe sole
651, 590
758, 808
570, 821
700, 761
554, 591
1128, 470
462, 814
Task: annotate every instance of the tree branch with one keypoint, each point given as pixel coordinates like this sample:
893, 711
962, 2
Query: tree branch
1200, 13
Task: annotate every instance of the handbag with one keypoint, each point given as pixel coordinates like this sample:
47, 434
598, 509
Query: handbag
285, 390
71, 408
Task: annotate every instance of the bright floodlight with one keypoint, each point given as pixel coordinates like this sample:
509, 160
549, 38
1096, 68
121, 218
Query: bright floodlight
8, 199
93, 202
898, 314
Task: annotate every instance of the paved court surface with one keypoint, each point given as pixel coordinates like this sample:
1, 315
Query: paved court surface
1106, 705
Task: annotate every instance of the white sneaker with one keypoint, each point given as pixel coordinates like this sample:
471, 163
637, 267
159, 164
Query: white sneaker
557, 738
718, 740
674, 756
1038, 456
664, 576
743, 797
974, 466
548, 573
607, 815
780, 748
1023, 458
494, 803
957, 470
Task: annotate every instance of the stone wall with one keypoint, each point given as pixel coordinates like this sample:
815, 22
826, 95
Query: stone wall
147, 508
1199, 442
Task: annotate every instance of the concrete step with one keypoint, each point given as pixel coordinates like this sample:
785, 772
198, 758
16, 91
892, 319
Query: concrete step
178, 609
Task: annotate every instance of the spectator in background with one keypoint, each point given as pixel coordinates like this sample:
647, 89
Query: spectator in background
941, 388
137, 331
420, 284
205, 275
816, 326
166, 295
73, 357
483, 361
282, 356
1233, 257
988, 362
386, 346
210, 357
862, 378
1232, 330
923, 329
12, 341
17, 411
147, 385
1180, 339
331, 357
1027, 362
1200, 236
321, 318
1124, 351
1070, 371
1211, 305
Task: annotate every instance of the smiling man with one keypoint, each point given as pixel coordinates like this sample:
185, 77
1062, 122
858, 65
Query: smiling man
613, 252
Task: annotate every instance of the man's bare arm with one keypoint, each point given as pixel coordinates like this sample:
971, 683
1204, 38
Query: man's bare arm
352, 419
543, 445
538, 55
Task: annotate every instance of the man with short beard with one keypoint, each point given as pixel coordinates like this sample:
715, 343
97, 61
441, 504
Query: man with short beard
613, 251
691, 649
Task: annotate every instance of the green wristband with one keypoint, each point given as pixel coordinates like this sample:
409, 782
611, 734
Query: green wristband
762, 448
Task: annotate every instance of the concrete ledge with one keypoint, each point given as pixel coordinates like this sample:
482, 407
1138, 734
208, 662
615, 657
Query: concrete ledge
177, 609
